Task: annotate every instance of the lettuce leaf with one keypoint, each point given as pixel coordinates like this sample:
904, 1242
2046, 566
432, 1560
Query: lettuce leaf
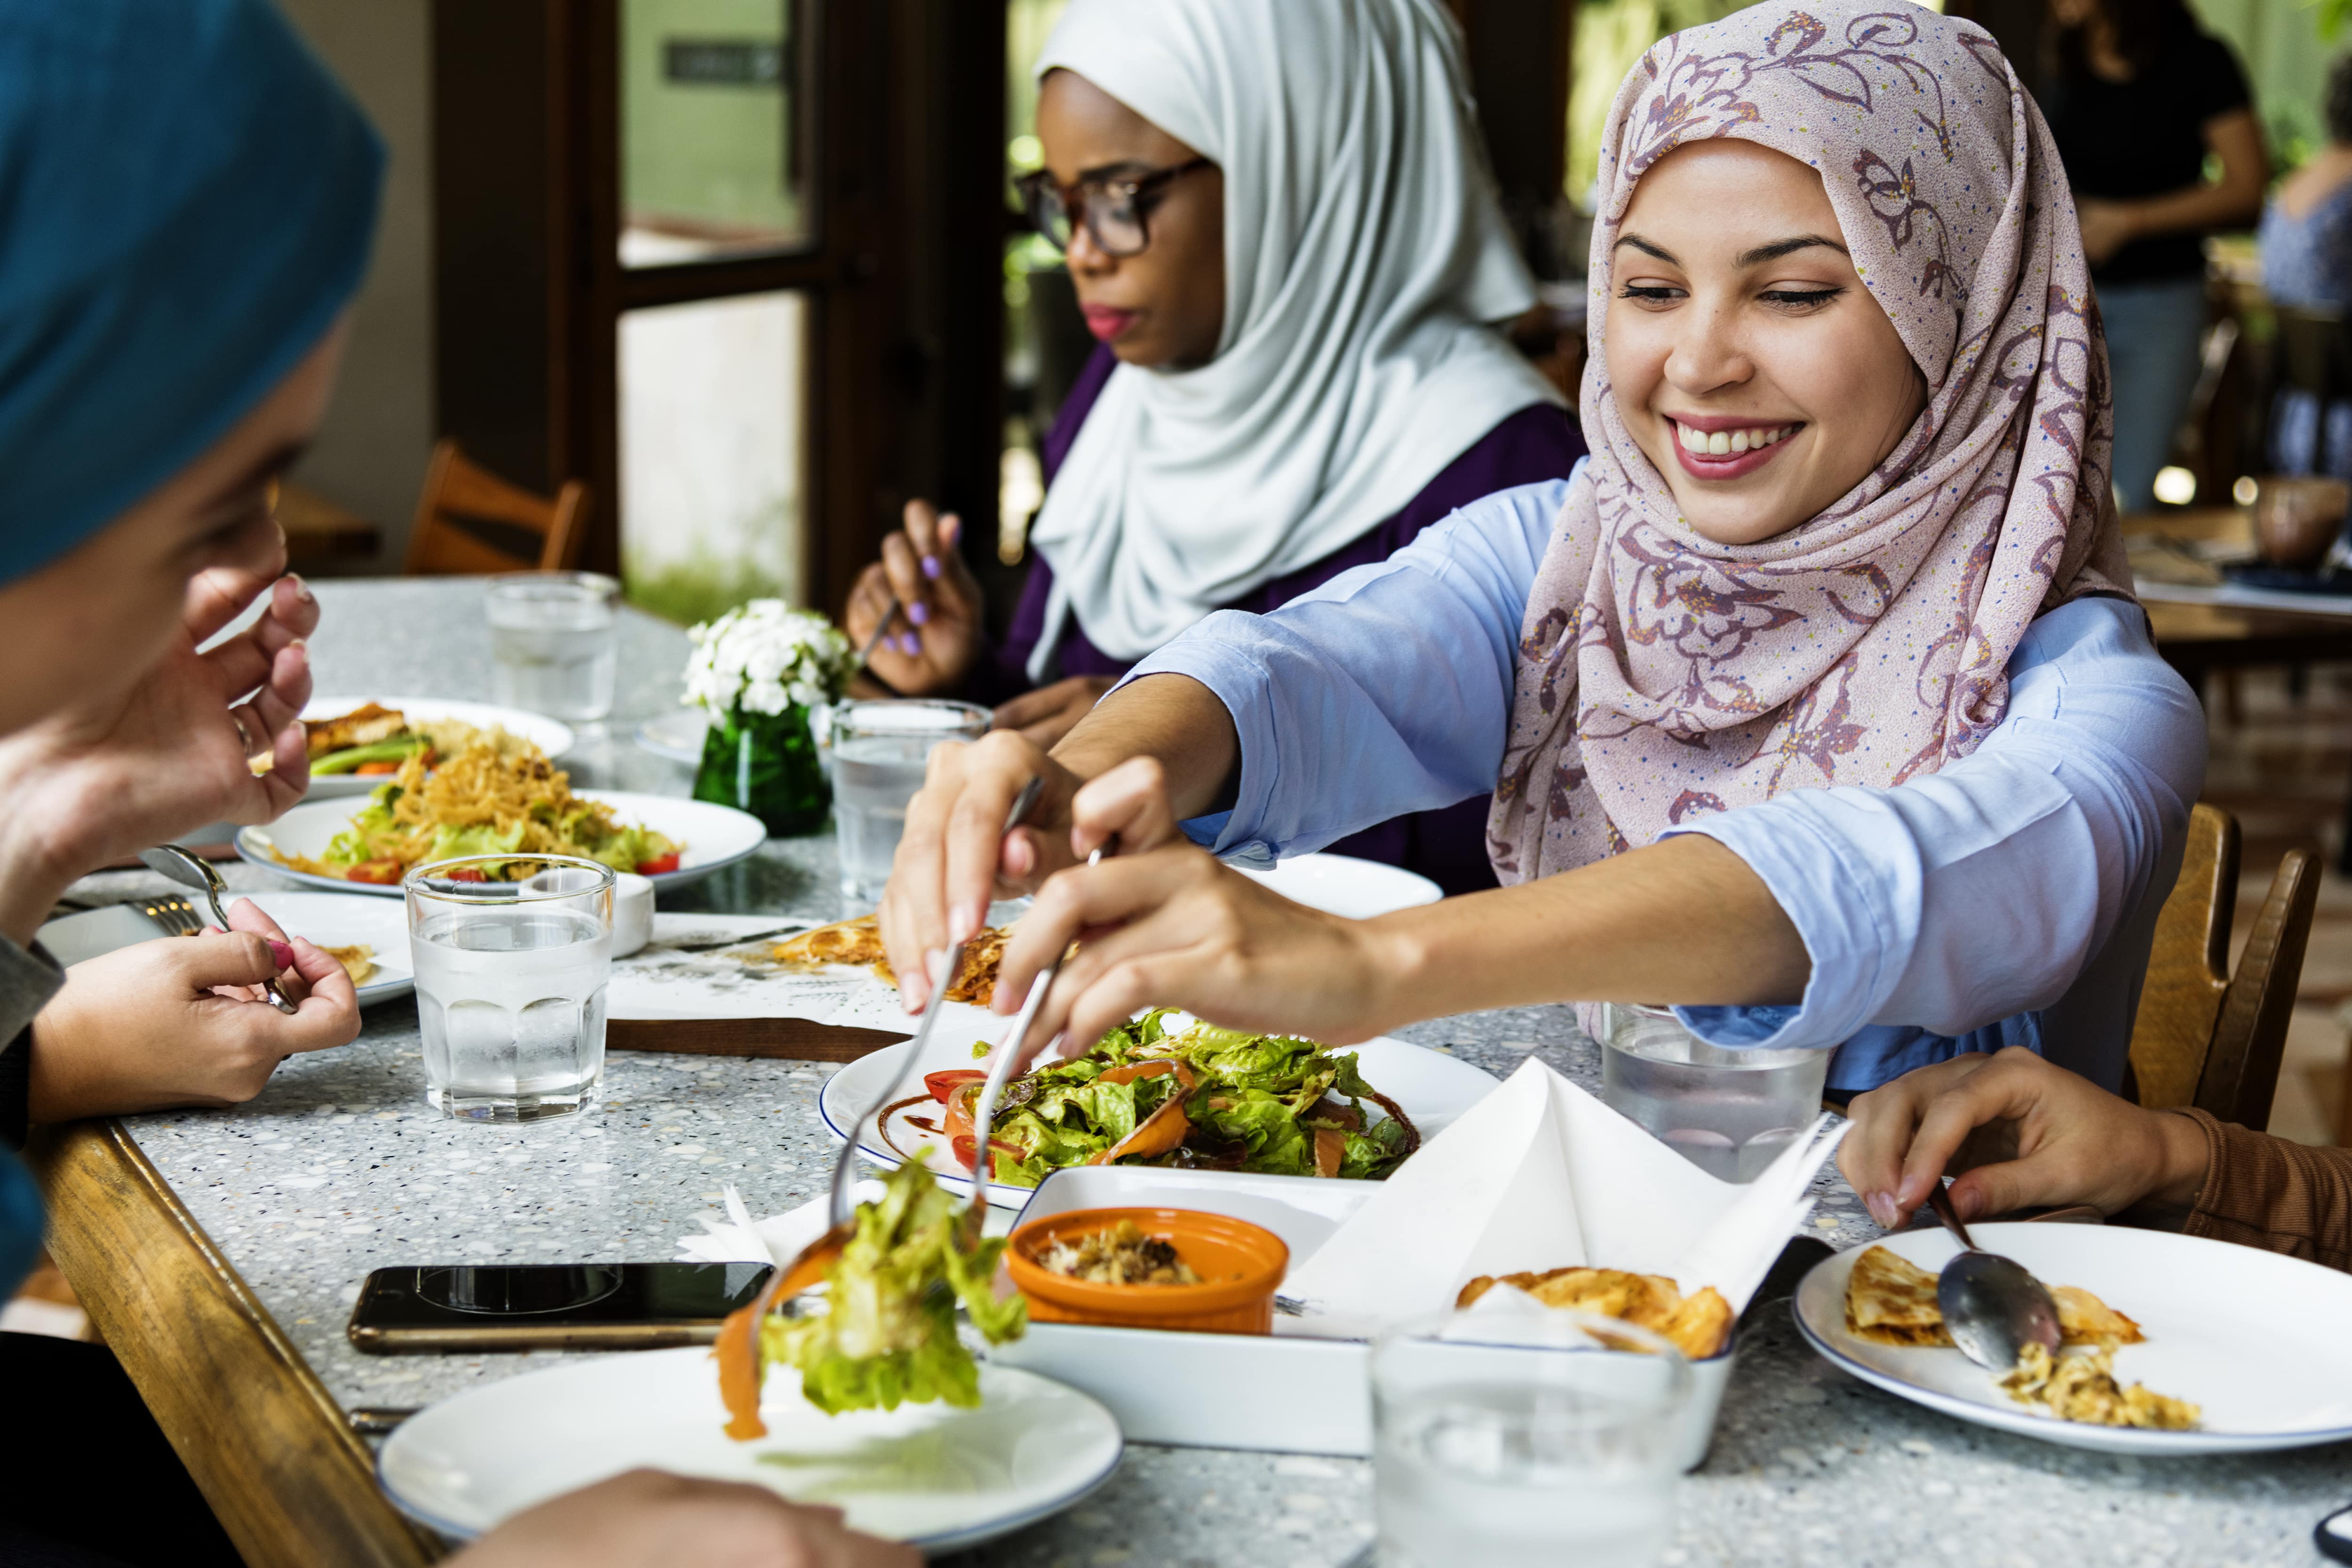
888, 1334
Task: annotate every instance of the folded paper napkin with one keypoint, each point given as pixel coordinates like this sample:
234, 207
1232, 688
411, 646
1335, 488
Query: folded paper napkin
680, 974
1539, 1175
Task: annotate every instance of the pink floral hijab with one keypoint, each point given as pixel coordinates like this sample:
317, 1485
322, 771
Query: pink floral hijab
1663, 676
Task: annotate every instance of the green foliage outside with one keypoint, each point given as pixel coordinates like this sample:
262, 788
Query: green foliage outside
1611, 35
700, 587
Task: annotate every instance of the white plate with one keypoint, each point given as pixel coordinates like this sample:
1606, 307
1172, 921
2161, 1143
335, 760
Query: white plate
677, 735
330, 920
937, 1476
546, 734
2254, 1337
714, 836
1343, 885
1432, 1087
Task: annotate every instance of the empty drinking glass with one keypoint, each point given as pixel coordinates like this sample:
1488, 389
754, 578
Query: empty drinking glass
1512, 1438
880, 750
554, 642
1729, 1112
511, 976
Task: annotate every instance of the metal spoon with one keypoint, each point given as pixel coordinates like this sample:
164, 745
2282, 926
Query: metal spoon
183, 867
1992, 1307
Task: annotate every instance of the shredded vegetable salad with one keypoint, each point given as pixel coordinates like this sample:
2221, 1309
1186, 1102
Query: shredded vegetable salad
482, 800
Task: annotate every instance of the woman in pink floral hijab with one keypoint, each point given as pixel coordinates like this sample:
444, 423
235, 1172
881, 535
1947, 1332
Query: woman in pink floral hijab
1814, 703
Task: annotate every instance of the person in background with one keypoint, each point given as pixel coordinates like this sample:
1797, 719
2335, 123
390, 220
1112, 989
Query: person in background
188, 201
1281, 224
2018, 1131
2306, 243
2141, 97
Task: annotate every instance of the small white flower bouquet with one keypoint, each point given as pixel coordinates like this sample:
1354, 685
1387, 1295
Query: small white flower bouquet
765, 658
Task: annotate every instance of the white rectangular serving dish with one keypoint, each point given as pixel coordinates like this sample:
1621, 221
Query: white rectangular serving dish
1289, 1392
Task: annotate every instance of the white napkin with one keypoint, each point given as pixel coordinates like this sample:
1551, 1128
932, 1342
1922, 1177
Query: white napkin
1538, 1176
785, 1233
663, 982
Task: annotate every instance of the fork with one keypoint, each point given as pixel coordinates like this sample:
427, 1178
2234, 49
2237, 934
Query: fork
809, 1266
173, 913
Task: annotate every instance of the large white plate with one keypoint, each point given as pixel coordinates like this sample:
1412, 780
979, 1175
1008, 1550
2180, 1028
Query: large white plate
714, 836
330, 920
940, 1478
1432, 1087
1343, 885
554, 739
2254, 1337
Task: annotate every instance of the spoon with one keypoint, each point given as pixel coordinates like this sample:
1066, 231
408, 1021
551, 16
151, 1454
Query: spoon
1993, 1307
186, 870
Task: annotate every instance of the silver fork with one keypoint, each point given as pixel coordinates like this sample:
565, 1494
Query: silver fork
173, 913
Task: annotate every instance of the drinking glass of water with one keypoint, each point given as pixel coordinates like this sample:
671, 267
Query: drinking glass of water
1729, 1112
879, 752
554, 638
510, 973
1514, 1439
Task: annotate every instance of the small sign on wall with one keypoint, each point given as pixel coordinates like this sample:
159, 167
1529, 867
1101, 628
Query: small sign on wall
723, 62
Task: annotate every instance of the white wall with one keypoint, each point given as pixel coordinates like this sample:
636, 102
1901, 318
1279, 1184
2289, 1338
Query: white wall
370, 456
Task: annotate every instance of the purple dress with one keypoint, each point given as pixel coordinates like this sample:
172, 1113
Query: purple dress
1449, 845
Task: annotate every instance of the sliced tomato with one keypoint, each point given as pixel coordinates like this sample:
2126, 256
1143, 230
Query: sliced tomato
944, 1084
965, 1147
467, 874
662, 867
383, 873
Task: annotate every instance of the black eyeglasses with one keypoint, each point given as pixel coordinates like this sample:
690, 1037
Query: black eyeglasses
1113, 207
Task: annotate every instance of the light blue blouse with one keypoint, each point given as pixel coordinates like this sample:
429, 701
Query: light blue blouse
2007, 900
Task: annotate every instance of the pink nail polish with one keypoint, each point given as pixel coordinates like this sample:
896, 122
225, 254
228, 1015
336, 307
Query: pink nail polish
281, 955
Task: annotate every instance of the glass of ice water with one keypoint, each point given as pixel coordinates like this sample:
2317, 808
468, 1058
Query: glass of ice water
553, 639
1729, 1112
510, 958
1514, 1438
880, 750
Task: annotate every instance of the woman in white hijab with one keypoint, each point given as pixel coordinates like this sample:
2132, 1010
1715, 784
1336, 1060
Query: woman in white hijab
1281, 224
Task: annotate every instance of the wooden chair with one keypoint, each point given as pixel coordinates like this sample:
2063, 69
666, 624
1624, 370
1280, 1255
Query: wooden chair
2204, 1036
470, 521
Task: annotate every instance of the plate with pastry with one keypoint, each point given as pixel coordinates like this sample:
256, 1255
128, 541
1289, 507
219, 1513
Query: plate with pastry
2169, 1344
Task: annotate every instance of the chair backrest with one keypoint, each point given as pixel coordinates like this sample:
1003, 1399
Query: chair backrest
2204, 1036
469, 520
2315, 353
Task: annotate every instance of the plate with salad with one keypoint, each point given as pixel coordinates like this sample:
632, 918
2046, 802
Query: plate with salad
488, 800
1164, 1089
356, 742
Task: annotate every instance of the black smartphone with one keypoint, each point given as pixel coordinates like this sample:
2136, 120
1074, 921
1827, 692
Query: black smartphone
548, 1306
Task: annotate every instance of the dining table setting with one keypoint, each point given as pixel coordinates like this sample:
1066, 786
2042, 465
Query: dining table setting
1441, 1240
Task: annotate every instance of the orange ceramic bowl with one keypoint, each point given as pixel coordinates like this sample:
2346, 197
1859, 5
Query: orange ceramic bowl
1240, 1265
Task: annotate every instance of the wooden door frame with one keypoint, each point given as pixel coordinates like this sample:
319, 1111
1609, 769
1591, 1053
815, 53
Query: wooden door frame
903, 272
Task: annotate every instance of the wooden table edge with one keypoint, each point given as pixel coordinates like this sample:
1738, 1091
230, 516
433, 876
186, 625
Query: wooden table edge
266, 1442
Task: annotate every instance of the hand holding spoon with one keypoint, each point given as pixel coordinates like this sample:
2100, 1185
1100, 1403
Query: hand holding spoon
1992, 1307
182, 866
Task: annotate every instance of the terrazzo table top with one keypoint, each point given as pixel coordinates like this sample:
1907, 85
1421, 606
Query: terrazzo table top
339, 1168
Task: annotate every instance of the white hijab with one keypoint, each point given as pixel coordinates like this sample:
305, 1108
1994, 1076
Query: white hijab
1365, 250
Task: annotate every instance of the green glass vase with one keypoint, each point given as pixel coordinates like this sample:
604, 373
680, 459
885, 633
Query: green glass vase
767, 765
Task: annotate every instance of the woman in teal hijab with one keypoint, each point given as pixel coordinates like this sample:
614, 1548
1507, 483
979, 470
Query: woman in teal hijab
186, 202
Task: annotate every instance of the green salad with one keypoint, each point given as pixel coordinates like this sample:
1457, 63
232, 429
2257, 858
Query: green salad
888, 1332
1198, 1098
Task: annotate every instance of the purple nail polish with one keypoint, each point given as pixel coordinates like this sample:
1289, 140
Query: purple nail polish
909, 644
932, 569
919, 613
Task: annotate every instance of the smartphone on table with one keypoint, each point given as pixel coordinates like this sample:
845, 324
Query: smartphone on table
467, 1307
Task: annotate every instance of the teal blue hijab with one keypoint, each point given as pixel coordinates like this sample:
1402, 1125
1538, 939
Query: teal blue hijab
186, 201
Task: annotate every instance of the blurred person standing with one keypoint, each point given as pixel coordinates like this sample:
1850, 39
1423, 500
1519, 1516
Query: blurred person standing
2141, 97
2306, 242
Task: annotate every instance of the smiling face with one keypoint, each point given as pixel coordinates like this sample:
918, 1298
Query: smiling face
1748, 362
1163, 309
